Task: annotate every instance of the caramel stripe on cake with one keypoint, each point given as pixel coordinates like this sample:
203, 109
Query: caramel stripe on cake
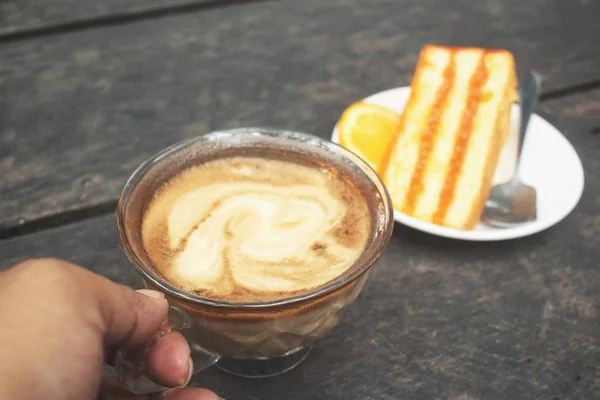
461, 145
428, 137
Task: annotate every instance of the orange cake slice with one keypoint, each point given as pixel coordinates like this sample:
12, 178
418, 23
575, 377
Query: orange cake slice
455, 124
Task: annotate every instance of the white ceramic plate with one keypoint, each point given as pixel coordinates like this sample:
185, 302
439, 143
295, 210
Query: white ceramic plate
549, 163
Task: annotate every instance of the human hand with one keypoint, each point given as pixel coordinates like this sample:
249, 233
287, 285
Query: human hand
58, 324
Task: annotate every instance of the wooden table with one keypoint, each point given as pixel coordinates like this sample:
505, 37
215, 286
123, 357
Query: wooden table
90, 89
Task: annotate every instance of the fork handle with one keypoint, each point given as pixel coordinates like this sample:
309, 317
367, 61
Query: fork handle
529, 92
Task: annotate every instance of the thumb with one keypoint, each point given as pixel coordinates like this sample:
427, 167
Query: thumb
130, 317
120, 315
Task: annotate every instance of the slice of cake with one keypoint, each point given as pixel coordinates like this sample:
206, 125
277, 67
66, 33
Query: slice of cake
457, 120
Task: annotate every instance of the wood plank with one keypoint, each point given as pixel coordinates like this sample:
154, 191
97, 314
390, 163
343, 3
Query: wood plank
81, 111
16, 15
92, 243
437, 319
36, 15
583, 106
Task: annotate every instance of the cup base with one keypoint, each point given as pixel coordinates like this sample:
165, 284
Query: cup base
257, 368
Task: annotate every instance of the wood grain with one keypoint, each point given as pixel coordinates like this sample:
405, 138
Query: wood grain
92, 244
35, 15
438, 319
23, 14
583, 106
80, 111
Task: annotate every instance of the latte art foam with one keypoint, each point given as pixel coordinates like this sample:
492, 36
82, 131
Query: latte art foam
252, 229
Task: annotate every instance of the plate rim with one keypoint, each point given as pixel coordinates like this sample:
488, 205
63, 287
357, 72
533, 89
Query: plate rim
495, 234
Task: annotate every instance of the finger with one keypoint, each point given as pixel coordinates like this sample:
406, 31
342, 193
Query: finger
112, 351
112, 390
169, 362
185, 394
130, 318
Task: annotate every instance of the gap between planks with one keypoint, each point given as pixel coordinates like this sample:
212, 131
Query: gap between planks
59, 219
119, 18
571, 90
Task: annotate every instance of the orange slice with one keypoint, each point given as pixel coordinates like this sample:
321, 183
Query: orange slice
367, 129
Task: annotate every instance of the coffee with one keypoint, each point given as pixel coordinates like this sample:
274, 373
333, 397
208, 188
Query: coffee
248, 229
258, 238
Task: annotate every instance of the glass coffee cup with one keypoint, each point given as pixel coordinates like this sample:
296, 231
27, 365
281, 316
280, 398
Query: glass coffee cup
250, 339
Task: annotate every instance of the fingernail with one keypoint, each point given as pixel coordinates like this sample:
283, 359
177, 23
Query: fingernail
187, 380
152, 293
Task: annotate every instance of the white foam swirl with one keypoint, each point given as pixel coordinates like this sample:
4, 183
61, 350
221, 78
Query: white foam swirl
257, 236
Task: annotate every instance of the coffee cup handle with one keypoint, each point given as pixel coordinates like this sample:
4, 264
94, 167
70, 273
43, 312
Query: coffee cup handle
130, 364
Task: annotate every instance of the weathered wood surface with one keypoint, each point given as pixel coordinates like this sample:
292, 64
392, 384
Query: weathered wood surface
438, 319
23, 14
92, 243
35, 15
78, 112
583, 106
